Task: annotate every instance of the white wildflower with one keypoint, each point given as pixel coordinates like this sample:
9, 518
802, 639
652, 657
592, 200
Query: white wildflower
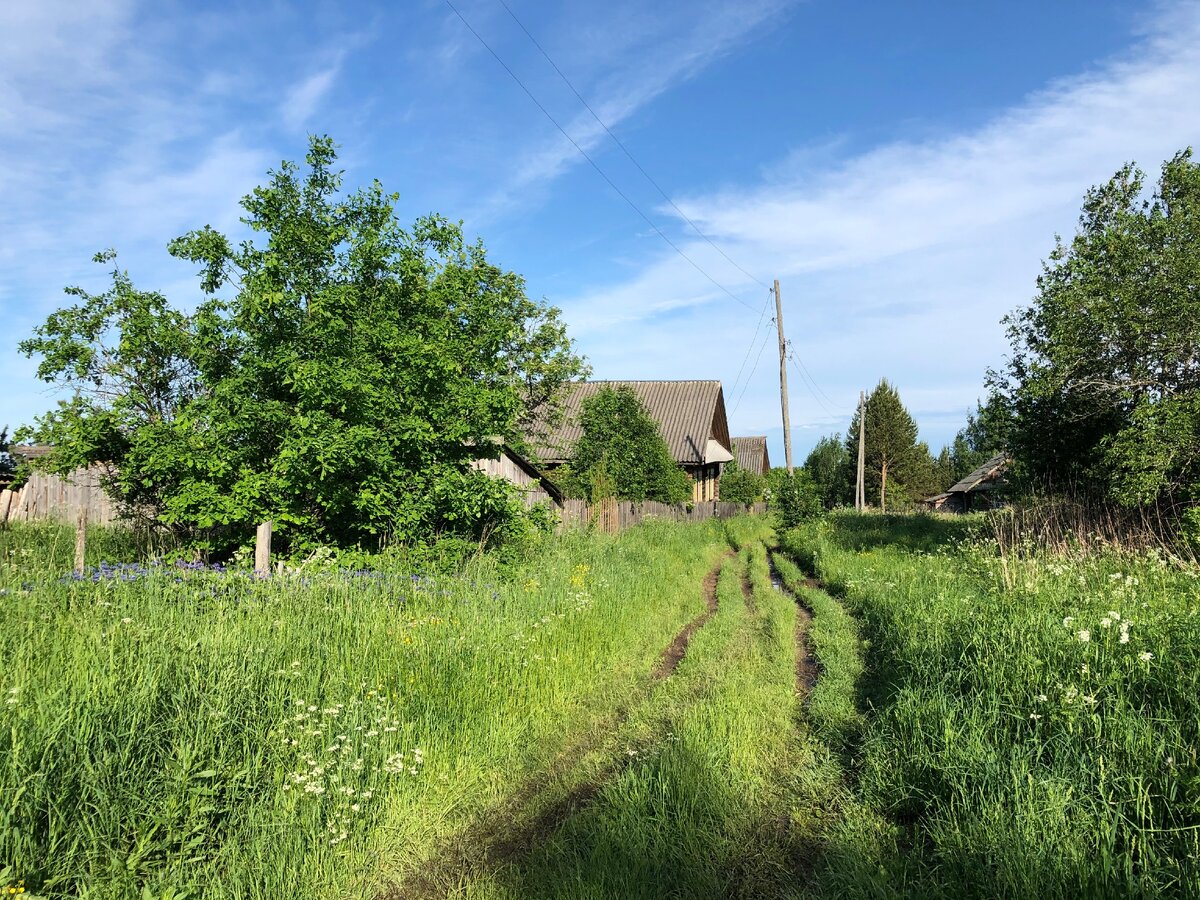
1145, 656
1084, 635
1067, 621
1034, 716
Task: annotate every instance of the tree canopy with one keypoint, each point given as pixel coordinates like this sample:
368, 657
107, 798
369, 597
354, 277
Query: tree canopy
622, 453
337, 377
1102, 387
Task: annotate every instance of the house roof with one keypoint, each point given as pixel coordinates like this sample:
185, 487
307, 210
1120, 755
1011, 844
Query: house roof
29, 451
985, 473
752, 453
689, 415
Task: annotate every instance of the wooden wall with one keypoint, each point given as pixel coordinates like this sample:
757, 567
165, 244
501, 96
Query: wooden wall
63, 498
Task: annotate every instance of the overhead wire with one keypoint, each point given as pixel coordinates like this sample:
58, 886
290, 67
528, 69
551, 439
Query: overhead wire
591, 161
757, 359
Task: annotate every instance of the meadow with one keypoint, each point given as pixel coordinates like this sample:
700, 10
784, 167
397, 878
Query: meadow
864, 706
176, 731
1025, 722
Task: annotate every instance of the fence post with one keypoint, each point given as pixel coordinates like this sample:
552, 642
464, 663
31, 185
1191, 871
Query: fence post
6, 498
262, 549
80, 540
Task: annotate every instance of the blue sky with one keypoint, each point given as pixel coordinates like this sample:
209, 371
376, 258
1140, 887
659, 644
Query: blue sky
902, 169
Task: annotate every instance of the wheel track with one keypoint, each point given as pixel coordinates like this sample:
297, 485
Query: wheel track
495, 840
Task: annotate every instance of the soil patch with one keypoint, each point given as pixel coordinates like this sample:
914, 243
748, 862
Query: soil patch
509, 832
807, 669
671, 657
748, 591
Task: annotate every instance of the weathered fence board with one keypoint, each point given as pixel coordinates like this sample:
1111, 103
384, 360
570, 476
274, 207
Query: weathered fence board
59, 497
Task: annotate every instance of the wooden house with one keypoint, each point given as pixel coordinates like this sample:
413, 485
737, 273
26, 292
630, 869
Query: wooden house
690, 417
752, 454
975, 491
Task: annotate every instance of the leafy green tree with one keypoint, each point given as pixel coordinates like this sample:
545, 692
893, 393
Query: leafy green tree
829, 464
891, 450
1102, 387
335, 379
794, 497
621, 452
740, 485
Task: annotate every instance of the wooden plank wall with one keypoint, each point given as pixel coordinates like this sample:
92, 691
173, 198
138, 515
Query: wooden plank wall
62, 498
613, 516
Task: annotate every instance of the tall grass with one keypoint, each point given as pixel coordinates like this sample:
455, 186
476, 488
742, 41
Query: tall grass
1030, 731
201, 734
702, 808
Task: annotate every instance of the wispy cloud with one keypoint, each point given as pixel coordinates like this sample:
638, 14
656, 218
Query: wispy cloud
630, 74
900, 261
303, 99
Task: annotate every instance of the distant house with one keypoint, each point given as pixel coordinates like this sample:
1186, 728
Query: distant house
690, 416
975, 491
502, 461
752, 454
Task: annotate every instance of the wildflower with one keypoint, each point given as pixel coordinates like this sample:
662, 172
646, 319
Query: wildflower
1114, 615
1106, 622
1124, 638
1084, 635
1145, 656
1042, 698
1067, 621
1034, 716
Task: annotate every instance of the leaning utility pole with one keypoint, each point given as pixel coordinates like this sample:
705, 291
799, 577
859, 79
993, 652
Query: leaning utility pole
860, 486
783, 397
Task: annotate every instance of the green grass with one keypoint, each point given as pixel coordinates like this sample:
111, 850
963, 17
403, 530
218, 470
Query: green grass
1013, 757
203, 735
702, 808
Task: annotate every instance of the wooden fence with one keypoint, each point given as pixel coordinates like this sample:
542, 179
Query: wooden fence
612, 516
63, 498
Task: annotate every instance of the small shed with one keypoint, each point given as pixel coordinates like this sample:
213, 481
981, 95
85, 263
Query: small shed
751, 453
975, 491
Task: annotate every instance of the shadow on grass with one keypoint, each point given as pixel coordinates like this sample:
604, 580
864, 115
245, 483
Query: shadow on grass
667, 827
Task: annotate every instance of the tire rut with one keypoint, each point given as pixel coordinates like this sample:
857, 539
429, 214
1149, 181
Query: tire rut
495, 840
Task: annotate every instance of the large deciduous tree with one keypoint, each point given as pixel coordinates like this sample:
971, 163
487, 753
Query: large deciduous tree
622, 452
1102, 387
337, 377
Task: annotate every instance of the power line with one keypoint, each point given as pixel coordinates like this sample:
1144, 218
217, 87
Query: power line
626, 150
591, 161
750, 348
800, 363
811, 385
757, 359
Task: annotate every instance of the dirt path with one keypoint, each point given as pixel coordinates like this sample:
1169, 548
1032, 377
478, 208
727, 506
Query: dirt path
807, 668
510, 831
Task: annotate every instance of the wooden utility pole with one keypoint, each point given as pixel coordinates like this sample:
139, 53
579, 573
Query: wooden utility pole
860, 485
783, 394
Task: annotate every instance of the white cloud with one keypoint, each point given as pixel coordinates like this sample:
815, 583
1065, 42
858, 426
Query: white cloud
303, 99
899, 262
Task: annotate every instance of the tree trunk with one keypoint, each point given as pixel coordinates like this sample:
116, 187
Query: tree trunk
883, 488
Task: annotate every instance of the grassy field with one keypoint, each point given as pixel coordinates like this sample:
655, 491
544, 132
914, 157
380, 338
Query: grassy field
168, 732
639, 716
1028, 725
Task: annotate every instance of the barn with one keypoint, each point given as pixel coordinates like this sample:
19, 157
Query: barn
975, 491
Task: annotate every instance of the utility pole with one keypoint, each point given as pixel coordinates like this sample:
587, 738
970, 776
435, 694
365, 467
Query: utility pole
860, 485
783, 395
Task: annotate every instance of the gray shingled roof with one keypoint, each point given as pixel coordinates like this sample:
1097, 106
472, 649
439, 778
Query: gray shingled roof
988, 471
689, 414
752, 453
